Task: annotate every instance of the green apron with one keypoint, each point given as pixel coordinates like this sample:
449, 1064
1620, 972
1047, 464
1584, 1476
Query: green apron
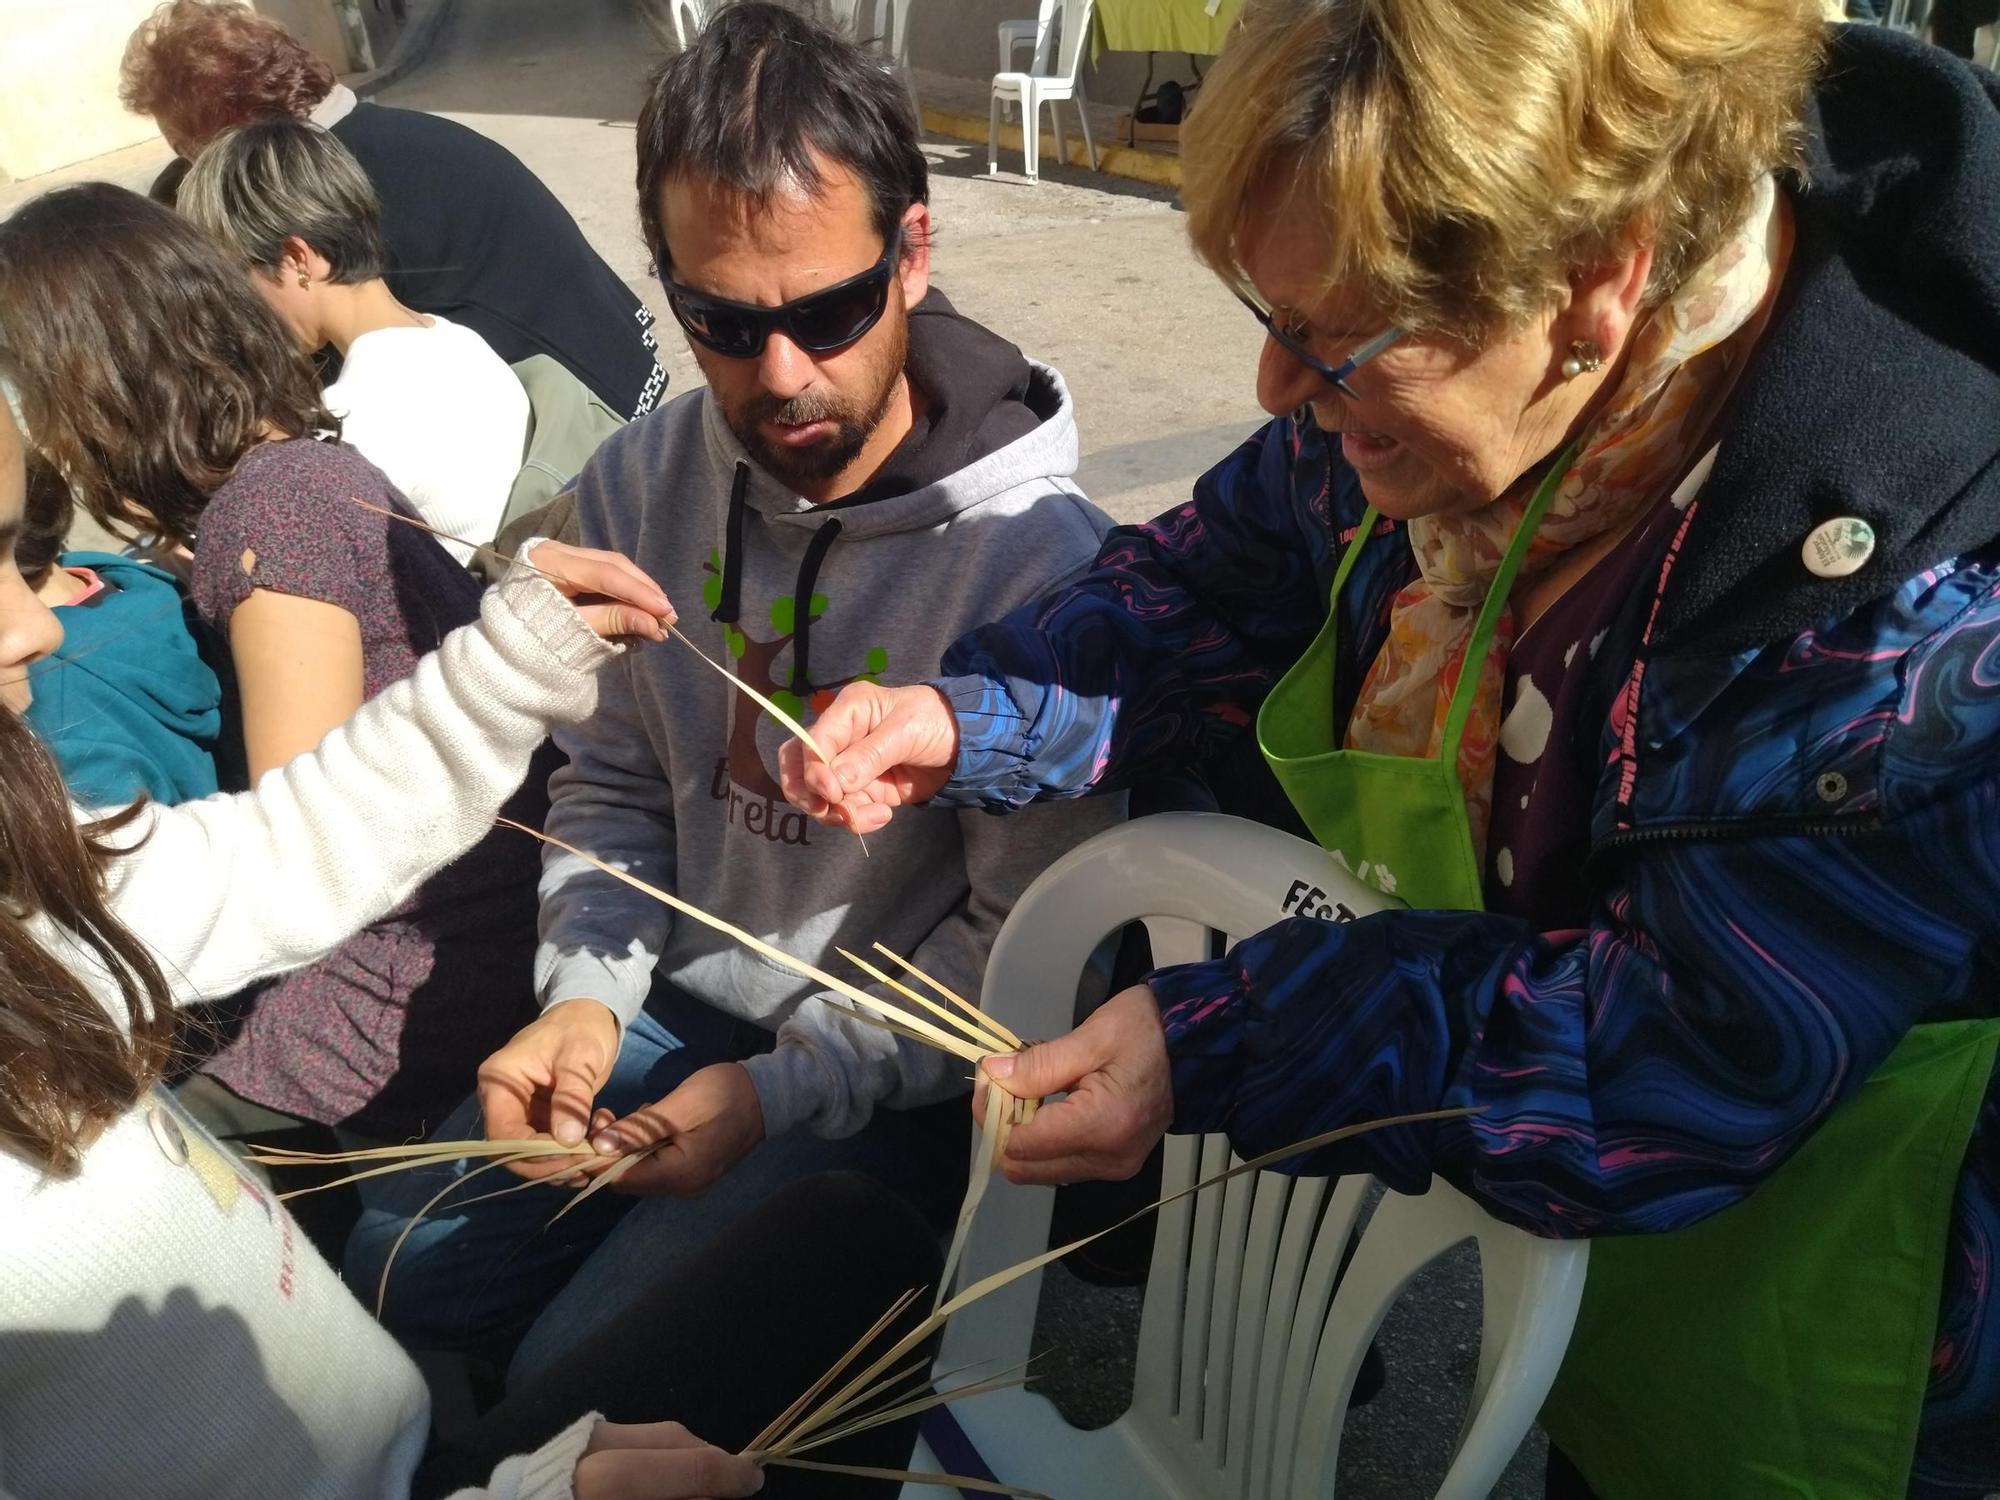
1778, 1348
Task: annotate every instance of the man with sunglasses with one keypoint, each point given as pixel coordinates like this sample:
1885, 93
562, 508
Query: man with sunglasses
867, 474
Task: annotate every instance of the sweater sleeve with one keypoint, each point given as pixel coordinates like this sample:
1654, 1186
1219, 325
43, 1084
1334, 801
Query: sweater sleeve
600, 939
829, 1072
1636, 1076
1159, 655
230, 890
546, 1473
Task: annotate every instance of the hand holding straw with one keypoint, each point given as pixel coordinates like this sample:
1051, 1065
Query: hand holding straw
663, 623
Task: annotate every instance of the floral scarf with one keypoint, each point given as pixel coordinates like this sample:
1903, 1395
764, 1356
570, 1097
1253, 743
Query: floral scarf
1684, 359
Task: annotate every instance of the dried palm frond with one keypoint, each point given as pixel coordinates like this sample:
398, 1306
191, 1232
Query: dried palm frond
386, 1160
798, 1429
974, 1036
931, 1034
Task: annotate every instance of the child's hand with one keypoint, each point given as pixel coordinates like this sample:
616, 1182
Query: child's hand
609, 590
659, 1461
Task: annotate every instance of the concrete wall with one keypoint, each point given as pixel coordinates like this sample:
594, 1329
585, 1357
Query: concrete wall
59, 75
59, 82
312, 22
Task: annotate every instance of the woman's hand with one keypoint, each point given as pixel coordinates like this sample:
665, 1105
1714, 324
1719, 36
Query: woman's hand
890, 747
1119, 1103
608, 590
659, 1461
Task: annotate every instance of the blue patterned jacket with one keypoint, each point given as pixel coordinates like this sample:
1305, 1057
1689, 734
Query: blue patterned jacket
1796, 839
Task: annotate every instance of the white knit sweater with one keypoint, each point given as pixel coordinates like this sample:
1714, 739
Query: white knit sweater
165, 1330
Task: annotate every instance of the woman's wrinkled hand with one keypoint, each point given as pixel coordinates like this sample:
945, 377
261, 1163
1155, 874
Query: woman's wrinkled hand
609, 590
1119, 1098
890, 748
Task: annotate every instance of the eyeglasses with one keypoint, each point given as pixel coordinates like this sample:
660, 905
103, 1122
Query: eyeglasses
1334, 375
819, 322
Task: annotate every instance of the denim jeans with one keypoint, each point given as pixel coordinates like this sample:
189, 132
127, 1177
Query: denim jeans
500, 1277
756, 1317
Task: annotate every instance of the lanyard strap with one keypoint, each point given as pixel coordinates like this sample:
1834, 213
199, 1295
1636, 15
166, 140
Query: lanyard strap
1489, 613
1496, 600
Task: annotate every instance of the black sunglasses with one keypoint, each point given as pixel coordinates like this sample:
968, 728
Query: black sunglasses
819, 322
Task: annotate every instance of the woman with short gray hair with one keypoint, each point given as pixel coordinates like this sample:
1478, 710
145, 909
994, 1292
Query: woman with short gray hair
424, 399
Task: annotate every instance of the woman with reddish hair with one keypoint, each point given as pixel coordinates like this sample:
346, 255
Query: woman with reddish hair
472, 234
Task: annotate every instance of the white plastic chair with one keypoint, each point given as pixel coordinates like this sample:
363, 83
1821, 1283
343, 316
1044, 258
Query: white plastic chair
688, 17
883, 22
1064, 83
1251, 1337
1031, 32
886, 23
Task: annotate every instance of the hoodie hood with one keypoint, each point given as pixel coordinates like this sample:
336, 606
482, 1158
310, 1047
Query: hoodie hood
127, 703
979, 396
1875, 393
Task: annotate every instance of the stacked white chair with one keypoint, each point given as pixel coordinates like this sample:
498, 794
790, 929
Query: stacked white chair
1031, 32
1252, 1334
689, 17
886, 25
1061, 84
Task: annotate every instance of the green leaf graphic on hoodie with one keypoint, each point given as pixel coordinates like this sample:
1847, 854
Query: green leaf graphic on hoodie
755, 662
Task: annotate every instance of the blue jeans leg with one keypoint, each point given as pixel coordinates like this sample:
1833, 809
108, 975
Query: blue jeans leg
920, 1154
473, 1273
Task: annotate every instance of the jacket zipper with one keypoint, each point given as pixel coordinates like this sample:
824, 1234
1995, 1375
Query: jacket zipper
1718, 832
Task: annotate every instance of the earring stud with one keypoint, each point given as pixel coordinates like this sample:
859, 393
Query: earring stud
1583, 355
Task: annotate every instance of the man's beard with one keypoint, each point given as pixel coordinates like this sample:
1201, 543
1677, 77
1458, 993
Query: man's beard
853, 425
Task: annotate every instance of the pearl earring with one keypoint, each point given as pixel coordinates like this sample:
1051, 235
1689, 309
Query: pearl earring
1583, 355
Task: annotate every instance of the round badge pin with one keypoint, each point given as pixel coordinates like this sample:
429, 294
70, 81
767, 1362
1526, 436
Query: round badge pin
1838, 547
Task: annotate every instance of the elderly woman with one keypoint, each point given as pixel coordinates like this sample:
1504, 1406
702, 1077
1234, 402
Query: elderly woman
471, 232
1619, 586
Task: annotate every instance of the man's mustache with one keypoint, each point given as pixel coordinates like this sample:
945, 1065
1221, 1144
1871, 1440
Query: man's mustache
796, 411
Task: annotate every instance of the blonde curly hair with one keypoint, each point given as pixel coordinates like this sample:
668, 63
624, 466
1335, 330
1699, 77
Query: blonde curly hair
1466, 155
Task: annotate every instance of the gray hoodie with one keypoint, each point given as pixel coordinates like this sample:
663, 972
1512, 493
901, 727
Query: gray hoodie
674, 778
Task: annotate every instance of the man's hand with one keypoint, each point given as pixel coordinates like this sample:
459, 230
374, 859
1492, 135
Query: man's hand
890, 746
659, 1461
1120, 1095
710, 1123
543, 1081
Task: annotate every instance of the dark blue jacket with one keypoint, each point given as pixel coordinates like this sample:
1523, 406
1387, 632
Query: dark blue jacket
1796, 838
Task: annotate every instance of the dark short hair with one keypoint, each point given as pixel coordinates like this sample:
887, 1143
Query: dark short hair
258, 185
201, 66
755, 99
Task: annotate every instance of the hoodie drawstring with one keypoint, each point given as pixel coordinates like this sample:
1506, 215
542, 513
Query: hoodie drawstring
728, 608
816, 551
